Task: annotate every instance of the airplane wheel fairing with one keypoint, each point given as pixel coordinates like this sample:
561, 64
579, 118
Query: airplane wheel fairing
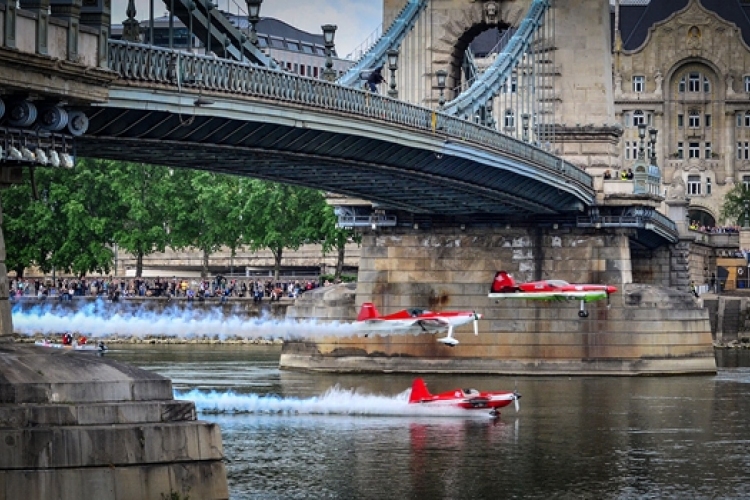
583, 314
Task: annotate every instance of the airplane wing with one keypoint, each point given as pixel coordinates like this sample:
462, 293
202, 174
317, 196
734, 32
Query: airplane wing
426, 324
586, 296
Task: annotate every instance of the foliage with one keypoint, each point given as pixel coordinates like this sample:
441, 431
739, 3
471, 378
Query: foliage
336, 238
145, 193
735, 201
279, 216
202, 211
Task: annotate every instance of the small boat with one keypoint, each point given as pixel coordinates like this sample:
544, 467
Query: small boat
75, 346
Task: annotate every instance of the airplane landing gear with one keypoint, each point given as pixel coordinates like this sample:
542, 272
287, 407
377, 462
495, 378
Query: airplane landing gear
494, 413
583, 313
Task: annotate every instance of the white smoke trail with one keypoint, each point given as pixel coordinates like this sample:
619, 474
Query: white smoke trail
100, 320
335, 401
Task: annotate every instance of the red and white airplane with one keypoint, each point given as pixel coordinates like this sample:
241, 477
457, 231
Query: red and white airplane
420, 320
468, 399
504, 287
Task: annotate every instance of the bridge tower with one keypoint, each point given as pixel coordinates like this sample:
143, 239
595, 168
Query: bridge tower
580, 94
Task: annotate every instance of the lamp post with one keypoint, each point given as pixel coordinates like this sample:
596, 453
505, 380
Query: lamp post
746, 223
253, 16
489, 119
441, 75
329, 32
641, 136
525, 124
393, 66
652, 140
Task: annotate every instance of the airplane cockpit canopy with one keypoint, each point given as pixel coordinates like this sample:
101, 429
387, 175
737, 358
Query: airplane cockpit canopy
418, 312
557, 283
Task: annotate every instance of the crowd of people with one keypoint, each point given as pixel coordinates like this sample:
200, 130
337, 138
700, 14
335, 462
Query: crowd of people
624, 175
191, 289
697, 226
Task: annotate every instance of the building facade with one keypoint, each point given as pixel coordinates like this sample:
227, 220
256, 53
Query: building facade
682, 67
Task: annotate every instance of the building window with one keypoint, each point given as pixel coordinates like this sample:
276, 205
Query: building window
707, 120
639, 83
747, 84
631, 150
706, 85
694, 184
680, 120
694, 150
739, 120
694, 82
694, 119
707, 151
639, 118
747, 119
746, 181
743, 150
680, 150
681, 85
510, 119
708, 185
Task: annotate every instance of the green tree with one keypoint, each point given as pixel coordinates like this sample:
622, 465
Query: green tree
202, 212
736, 204
279, 217
336, 238
145, 192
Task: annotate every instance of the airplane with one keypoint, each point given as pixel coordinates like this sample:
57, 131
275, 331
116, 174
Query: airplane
468, 399
505, 287
370, 320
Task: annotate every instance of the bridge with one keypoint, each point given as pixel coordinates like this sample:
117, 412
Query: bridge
244, 115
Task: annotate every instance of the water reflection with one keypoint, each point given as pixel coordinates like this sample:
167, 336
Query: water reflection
587, 437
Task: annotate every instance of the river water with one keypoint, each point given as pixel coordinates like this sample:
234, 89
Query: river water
292, 435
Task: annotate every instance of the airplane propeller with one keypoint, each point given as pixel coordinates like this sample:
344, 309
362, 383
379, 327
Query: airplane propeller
516, 397
476, 322
608, 294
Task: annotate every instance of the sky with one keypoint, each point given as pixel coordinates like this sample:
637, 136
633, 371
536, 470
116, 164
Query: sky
356, 19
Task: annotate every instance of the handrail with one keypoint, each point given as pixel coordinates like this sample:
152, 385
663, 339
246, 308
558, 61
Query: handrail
138, 62
391, 39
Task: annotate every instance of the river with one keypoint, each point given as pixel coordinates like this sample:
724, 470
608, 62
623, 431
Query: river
292, 435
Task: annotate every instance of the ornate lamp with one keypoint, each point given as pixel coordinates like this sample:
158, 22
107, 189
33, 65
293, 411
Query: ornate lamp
641, 136
441, 75
253, 16
393, 66
652, 140
329, 33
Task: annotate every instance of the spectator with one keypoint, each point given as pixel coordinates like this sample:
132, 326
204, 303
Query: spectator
375, 79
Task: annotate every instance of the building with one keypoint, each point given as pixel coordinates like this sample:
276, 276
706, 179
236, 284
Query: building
683, 68
295, 50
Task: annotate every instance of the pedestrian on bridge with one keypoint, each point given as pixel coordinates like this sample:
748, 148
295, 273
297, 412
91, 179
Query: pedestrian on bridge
375, 79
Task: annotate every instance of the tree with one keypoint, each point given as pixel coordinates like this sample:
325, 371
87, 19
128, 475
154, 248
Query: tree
336, 238
279, 216
145, 192
737, 204
66, 223
202, 212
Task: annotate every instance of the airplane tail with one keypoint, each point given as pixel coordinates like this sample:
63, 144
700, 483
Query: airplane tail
368, 311
419, 391
503, 283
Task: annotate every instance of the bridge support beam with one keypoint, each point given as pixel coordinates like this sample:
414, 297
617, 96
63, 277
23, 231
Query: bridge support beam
646, 330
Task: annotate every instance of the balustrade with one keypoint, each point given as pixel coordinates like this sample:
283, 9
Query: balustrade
183, 69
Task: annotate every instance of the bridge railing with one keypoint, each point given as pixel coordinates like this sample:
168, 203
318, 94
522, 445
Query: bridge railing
184, 69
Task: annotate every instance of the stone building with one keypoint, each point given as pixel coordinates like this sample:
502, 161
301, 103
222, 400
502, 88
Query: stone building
683, 68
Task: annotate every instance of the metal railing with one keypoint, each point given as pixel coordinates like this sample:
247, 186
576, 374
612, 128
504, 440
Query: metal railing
157, 65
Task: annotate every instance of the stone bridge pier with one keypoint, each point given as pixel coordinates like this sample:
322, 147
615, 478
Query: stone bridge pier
646, 329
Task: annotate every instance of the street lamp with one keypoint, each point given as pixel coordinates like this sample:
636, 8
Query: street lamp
746, 223
329, 32
525, 124
641, 136
441, 75
489, 119
393, 66
253, 16
652, 139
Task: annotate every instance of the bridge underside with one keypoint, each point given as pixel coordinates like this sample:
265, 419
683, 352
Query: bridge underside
425, 176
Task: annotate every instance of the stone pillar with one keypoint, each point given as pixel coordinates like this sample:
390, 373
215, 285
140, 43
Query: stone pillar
41, 9
98, 15
6, 321
70, 11
677, 210
585, 89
